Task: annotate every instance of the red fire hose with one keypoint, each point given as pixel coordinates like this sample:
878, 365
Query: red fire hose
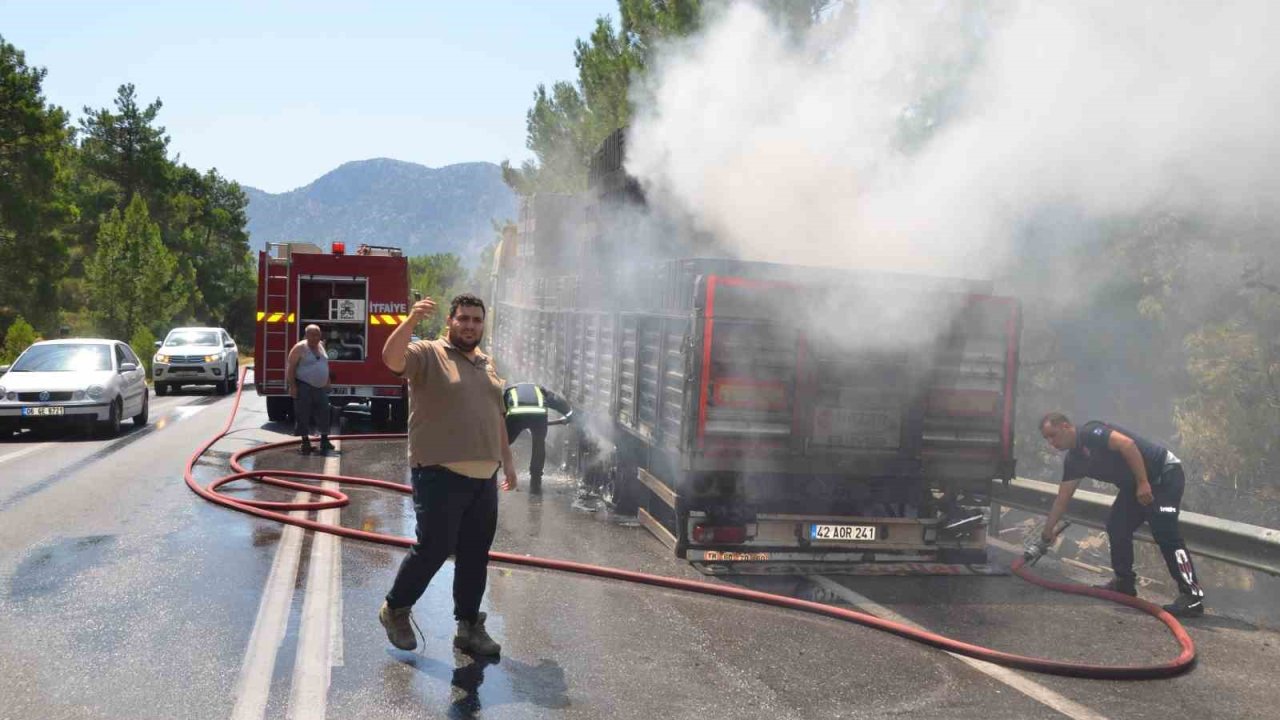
277, 511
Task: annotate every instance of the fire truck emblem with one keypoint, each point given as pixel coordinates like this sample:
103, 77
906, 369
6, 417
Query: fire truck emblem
346, 310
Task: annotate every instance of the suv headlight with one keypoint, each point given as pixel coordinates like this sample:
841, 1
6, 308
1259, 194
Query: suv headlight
160, 358
94, 392
213, 358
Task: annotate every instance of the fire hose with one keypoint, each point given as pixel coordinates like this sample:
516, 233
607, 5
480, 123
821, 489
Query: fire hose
277, 511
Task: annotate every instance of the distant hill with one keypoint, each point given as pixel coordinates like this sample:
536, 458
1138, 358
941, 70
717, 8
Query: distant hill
388, 202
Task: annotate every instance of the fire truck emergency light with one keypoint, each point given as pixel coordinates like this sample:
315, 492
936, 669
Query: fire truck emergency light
339, 248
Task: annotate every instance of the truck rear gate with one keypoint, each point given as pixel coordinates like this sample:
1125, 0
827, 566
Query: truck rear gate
768, 412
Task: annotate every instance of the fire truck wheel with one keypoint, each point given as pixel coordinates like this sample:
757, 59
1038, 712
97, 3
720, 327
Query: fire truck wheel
399, 414
380, 413
279, 409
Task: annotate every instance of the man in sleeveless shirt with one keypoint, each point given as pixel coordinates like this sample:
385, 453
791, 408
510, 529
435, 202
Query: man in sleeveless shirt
1150, 482
457, 443
307, 377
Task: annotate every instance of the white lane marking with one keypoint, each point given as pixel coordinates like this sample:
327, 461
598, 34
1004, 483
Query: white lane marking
308, 698
1022, 684
254, 684
336, 656
24, 451
185, 411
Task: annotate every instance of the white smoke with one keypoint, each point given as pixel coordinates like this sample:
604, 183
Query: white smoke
921, 135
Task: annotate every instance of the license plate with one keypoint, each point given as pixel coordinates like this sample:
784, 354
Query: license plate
842, 532
44, 410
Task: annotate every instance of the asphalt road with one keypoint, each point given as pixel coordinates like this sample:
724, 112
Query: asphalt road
123, 595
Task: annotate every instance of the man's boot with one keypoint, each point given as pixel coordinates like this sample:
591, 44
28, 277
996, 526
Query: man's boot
535, 485
473, 638
305, 447
396, 622
1186, 605
1119, 585
326, 446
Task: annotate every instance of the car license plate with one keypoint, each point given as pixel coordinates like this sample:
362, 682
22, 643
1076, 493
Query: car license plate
43, 410
842, 532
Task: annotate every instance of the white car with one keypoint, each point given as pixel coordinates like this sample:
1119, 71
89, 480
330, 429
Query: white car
93, 380
196, 356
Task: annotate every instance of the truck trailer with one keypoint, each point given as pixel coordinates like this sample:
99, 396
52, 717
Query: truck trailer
756, 416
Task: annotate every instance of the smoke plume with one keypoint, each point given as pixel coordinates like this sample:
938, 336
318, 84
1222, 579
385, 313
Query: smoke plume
928, 135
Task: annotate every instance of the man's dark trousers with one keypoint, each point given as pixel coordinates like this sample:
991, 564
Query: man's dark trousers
1127, 515
311, 411
536, 424
457, 515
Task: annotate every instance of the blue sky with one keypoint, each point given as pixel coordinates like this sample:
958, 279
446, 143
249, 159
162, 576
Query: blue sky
275, 94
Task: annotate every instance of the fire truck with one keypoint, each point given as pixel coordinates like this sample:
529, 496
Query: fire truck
759, 416
357, 300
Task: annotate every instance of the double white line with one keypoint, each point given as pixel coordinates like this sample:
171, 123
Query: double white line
320, 629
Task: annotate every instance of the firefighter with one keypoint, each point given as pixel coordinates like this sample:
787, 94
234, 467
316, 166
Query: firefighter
1150, 482
307, 378
526, 408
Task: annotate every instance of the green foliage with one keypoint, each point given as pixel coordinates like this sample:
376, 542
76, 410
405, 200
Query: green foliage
438, 277
143, 343
134, 281
126, 147
35, 145
59, 199
19, 337
567, 123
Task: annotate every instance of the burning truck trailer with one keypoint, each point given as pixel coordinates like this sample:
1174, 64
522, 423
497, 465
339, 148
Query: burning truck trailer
760, 417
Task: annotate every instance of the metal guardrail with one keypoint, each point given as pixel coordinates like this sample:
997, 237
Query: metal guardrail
1242, 544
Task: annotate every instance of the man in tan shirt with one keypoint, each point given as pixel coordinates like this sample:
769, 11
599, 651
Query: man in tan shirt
457, 442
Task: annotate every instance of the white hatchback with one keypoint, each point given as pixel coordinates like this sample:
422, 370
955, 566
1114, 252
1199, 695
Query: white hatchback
99, 381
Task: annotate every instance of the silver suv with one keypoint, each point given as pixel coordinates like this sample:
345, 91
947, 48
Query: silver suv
196, 356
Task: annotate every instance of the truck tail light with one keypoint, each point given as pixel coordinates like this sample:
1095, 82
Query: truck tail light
386, 392
719, 534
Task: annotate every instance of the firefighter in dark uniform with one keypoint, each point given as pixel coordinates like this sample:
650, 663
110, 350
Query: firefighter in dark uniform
1150, 482
527, 405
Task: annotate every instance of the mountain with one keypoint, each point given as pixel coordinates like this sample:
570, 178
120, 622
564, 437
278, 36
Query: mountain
388, 202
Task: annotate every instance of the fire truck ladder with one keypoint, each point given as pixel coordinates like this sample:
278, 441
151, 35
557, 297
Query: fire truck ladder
279, 320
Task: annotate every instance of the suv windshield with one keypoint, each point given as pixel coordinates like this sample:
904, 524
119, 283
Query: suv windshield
64, 358
192, 337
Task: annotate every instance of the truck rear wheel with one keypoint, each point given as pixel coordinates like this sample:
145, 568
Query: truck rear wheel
619, 487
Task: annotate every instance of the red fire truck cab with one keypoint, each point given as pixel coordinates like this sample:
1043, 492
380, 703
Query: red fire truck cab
357, 300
